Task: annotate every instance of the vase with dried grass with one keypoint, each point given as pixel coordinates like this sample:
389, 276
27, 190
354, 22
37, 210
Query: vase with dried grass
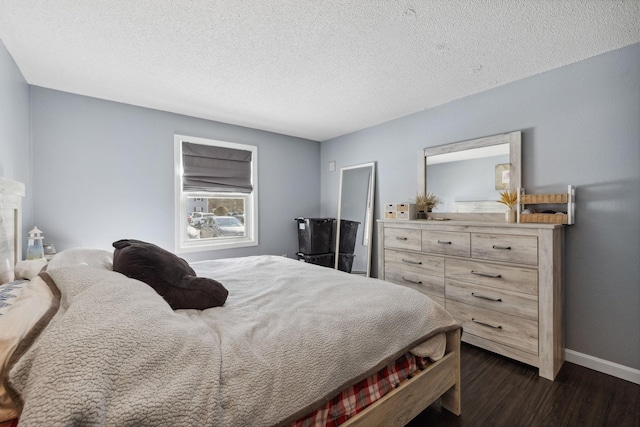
509, 199
426, 202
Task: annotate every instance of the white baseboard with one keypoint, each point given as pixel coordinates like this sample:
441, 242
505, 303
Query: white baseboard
604, 366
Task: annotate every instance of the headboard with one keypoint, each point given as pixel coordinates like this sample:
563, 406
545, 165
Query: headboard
11, 194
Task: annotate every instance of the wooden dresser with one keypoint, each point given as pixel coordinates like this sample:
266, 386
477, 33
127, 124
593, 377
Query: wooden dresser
503, 282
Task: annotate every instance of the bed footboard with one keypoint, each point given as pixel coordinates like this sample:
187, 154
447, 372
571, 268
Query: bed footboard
398, 407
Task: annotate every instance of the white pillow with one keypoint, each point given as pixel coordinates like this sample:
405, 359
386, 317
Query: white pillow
29, 269
17, 318
82, 256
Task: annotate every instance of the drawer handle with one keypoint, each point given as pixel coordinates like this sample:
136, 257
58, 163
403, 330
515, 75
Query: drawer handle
408, 261
492, 275
417, 282
443, 242
508, 248
485, 297
486, 324
401, 238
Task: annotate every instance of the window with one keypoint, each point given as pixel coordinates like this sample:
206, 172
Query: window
216, 194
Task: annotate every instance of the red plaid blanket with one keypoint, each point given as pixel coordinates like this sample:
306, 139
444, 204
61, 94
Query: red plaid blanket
357, 397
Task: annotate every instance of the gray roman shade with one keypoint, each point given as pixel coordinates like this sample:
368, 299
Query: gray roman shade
219, 169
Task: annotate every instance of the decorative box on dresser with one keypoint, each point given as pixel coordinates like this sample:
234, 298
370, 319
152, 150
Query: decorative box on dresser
502, 281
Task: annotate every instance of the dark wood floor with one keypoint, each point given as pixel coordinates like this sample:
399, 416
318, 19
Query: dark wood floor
497, 391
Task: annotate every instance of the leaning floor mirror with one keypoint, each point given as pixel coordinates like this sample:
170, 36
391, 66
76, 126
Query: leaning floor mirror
354, 227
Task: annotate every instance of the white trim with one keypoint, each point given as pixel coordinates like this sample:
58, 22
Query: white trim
182, 245
604, 366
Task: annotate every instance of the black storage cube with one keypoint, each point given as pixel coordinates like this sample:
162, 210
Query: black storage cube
325, 260
348, 233
345, 262
315, 235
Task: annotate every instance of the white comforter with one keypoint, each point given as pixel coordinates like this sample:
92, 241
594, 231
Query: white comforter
290, 335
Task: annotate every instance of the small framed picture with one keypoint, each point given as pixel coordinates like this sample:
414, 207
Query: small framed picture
503, 173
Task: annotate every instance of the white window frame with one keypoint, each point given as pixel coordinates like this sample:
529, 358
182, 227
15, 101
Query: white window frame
183, 244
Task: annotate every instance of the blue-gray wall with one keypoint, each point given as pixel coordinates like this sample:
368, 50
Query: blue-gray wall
104, 171
14, 129
581, 126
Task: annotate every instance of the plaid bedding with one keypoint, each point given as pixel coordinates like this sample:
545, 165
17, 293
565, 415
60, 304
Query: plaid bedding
357, 397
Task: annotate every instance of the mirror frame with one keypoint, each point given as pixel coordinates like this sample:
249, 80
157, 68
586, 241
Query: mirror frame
514, 139
367, 231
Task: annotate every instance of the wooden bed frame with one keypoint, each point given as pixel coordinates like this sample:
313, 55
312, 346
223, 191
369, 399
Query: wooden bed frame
440, 379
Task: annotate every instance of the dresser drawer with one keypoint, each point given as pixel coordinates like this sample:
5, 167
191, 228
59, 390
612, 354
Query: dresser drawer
446, 243
504, 301
424, 273
402, 238
430, 285
511, 331
517, 279
414, 262
505, 247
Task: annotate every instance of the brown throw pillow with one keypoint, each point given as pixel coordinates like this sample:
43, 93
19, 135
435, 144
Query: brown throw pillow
169, 275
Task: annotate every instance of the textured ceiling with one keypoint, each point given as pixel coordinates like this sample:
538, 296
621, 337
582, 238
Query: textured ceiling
315, 69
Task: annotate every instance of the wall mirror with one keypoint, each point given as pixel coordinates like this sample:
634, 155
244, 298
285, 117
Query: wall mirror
468, 176
354, 227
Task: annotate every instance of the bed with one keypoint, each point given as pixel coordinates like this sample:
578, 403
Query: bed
107, 349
